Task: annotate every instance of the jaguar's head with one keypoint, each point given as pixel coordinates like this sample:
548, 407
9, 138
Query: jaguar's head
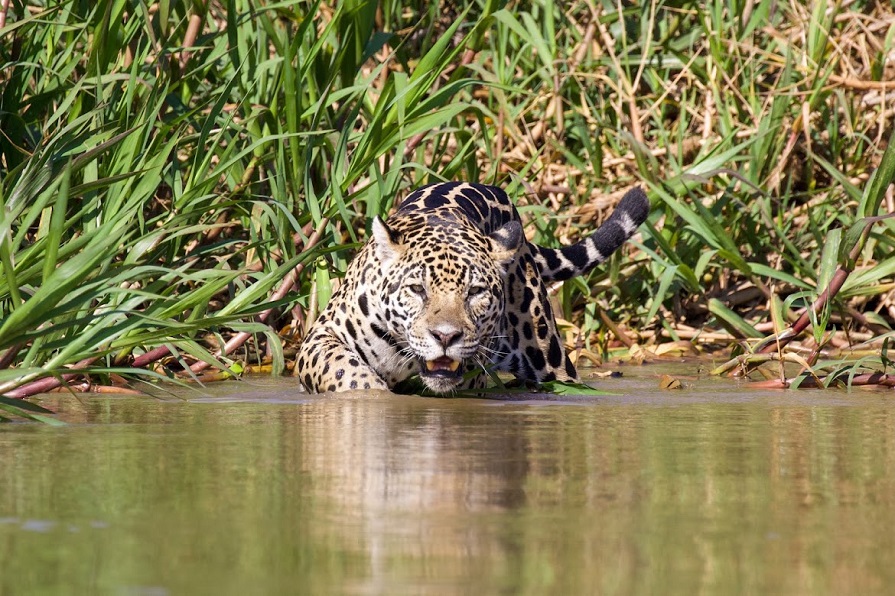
444, 294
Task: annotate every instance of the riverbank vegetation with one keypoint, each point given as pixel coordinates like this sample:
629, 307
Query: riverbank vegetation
184, 181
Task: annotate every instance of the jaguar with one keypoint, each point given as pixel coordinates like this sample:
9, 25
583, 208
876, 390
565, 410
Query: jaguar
449, 289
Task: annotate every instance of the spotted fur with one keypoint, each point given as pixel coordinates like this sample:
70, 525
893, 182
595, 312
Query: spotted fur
450, 287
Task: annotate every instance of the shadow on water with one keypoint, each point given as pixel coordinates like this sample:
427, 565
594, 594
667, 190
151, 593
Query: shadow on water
252, 487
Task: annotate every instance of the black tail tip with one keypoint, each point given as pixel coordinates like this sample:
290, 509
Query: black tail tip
635, 204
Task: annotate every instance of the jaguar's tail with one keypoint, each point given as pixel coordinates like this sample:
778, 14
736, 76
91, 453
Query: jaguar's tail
558, 264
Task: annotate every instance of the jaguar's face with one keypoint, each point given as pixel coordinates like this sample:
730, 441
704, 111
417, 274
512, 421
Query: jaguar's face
444, 298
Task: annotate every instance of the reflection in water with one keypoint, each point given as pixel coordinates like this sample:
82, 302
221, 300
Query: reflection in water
725, 492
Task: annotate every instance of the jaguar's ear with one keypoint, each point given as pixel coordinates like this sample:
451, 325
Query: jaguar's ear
385, 242
505, 242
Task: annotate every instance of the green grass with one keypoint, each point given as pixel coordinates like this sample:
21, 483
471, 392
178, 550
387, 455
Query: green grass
159, 182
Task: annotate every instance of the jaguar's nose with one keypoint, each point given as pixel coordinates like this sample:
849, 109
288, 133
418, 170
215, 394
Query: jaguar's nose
446, 335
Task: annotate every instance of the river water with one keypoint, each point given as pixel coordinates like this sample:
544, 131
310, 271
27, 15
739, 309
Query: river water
253, 488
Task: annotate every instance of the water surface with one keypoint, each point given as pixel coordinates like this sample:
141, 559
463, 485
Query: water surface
252, 487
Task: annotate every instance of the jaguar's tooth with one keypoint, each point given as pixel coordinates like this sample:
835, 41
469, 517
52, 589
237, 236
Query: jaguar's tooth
442, 363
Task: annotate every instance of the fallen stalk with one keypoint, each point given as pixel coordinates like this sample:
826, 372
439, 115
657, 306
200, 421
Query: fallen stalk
864, 380
746, 362
48, 383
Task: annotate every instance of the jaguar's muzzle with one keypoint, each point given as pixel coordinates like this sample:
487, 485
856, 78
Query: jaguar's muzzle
443, 366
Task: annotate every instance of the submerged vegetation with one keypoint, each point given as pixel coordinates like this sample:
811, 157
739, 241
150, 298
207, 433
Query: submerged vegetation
183, 181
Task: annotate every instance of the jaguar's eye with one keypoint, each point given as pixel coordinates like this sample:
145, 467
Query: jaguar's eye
476, 290
417, 289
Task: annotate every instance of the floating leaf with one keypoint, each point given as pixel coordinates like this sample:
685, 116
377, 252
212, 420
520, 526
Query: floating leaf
667, 382
570, 388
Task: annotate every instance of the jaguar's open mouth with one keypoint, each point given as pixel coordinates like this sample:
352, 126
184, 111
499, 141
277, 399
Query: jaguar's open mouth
442, 366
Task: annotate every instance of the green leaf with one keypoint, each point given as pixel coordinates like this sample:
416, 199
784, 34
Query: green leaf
732, 321
668, 276
879, 181
763, 270
829, 259
570, 388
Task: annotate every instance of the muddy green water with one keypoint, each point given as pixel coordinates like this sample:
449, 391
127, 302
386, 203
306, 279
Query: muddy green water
252, 488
